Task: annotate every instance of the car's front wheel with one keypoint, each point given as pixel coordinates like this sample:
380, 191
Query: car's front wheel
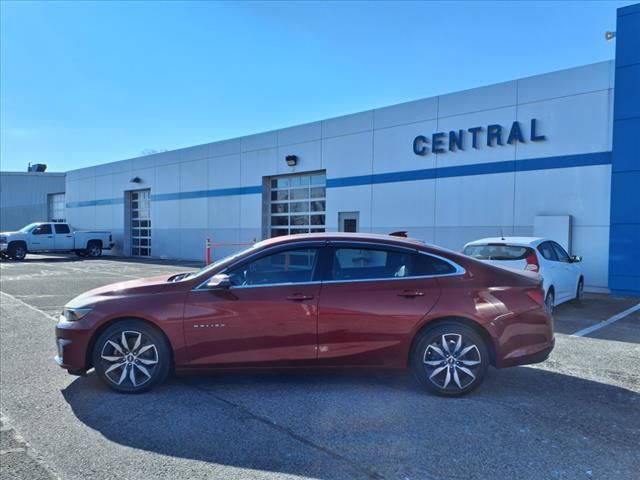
131, 356
17, 251
450, 359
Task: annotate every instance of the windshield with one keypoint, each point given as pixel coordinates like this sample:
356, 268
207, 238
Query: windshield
497, 252
28, 228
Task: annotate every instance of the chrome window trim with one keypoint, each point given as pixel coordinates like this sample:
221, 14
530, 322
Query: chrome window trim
315, 244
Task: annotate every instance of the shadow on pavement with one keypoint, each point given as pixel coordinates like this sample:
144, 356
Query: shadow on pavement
372, 425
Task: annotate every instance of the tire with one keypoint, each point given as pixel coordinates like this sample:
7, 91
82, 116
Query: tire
579, 292
81, 253
17, 251
549, 300
132, 346
94, 249
450, 359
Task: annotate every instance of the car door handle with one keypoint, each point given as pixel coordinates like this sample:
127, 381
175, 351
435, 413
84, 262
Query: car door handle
411, 293
298, 297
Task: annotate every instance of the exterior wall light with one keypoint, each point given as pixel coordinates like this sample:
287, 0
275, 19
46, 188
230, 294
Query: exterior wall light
292, 160
136, 180
609, 35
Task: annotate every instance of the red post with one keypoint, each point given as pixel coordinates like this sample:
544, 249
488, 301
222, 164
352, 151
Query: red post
208, 251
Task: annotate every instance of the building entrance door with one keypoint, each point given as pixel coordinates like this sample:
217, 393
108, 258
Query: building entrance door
348, 221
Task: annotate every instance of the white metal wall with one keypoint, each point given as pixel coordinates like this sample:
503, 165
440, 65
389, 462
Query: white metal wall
23, 197
574, 111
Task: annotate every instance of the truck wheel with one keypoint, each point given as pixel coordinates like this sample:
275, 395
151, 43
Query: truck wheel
17, 251
81, 253
94, 249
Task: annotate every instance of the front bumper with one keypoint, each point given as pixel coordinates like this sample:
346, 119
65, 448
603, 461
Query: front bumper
72, 342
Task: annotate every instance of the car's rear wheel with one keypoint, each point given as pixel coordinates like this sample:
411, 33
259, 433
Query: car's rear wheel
450, 359
17, 251
94, 249
131, 356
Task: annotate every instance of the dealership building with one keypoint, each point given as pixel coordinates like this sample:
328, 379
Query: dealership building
555, 155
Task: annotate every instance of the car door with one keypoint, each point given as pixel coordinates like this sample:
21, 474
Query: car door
550, 268
568, 278
370, 303
268, 317
63, 237
42, 238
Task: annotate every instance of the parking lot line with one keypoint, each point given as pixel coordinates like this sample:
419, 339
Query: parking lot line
605, 323
30, 306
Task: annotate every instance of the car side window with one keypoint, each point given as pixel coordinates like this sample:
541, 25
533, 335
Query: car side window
44, 229
61, 228
424, 264
356, 263
288, 266
547, 252
562, 255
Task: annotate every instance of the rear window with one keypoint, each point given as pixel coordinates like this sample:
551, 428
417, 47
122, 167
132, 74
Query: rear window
497, 252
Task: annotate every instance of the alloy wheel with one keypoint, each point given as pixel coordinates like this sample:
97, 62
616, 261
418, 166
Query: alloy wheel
94, 250
129, 358
452, 362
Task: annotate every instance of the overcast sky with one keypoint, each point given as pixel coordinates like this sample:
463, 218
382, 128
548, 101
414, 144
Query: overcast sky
84, 83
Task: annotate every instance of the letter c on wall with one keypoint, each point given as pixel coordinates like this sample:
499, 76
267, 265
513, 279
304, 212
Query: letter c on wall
420, 145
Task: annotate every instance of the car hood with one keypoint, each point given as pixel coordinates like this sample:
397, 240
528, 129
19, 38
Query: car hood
8, 233
159, 284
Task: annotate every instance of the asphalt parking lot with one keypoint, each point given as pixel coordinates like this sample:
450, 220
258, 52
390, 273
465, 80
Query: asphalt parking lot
574, 416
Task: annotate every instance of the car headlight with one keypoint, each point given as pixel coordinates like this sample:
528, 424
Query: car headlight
75, 314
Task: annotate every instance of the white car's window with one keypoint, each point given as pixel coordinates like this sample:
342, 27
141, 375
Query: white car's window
546, 250
561, 253
62, 228
44, 229
497, 252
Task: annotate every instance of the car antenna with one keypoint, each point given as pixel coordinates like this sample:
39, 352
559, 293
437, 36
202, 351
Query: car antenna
501, 235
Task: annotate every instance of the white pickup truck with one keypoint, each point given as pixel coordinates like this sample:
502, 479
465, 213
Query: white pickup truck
53, 237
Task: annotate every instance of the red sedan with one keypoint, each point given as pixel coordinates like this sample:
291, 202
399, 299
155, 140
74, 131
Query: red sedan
313, 301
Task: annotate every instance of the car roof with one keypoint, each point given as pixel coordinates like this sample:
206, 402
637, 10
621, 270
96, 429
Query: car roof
517, 241
356, 237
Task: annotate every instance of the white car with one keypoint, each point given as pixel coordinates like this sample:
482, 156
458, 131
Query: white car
561, 273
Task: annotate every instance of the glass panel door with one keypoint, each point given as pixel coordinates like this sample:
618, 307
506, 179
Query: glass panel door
140, 215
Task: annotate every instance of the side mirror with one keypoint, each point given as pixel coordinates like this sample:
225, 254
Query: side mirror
575, 259
219, 281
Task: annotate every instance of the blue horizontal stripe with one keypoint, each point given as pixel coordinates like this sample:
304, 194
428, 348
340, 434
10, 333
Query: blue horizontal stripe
545, 163
220, 192
93, 203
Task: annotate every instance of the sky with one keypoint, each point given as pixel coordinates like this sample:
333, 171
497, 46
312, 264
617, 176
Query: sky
84, 83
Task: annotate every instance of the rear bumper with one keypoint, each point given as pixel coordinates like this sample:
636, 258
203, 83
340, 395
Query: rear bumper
109, 246
524, 339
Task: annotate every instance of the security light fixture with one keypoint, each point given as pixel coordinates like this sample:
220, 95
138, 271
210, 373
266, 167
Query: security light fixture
292, 160
136, 180
609, 35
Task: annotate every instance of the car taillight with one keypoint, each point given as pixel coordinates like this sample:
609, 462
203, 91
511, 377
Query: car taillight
537, 295
532, 262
